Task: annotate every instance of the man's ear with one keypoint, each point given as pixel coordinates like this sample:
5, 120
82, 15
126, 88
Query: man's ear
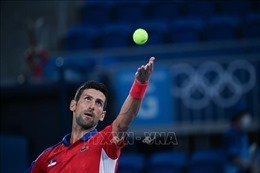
73, 105
102, 116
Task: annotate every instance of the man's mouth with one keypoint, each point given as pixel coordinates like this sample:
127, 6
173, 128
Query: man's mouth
88, 114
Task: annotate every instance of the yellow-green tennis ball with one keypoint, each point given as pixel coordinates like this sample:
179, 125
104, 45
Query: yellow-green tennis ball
140, 36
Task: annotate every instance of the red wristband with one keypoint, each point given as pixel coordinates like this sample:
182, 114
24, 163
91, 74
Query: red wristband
138, 90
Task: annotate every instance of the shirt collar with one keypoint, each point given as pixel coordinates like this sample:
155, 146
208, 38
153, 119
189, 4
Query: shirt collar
84, 138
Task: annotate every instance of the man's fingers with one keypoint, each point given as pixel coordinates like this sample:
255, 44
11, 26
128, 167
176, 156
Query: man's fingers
152, 59
147, 67
150, 67
150, 63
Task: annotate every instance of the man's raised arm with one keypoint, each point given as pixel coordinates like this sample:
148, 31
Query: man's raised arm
132, 103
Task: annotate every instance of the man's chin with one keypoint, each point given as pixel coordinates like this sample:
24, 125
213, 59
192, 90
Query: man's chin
86, 123
88, 126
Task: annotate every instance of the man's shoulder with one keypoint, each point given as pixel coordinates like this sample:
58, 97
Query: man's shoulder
108, 128
49, 149
102, 135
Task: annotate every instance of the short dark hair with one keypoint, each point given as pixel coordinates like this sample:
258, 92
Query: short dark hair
92, 85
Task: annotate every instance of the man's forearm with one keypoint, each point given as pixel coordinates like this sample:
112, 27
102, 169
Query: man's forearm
127, 113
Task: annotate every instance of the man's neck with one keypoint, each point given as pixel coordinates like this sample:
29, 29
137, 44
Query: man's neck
77, 133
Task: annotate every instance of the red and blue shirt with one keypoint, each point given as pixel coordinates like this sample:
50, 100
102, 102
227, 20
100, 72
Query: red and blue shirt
95, 152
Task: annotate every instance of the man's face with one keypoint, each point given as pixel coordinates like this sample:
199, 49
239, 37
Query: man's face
88, 110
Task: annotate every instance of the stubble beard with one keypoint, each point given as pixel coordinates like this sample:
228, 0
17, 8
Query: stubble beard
85, 124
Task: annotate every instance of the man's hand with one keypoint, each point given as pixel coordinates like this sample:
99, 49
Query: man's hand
144, 72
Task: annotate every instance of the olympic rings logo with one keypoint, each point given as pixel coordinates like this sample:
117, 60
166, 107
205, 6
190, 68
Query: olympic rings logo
212, 82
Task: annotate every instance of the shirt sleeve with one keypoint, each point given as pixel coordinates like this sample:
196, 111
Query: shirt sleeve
35, 166
111, 145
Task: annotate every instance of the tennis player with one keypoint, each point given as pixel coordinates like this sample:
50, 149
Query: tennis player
85, 149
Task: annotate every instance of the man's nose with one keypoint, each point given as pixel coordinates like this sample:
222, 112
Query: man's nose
92, 105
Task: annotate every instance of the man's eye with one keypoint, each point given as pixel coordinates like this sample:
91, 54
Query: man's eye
87, 98
99, 103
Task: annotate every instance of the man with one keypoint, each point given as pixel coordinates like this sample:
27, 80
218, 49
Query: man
236, 144
85, 149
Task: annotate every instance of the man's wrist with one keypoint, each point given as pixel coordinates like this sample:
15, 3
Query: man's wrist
138, 89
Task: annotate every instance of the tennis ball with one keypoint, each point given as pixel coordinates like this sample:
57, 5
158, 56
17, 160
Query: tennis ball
140, 36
